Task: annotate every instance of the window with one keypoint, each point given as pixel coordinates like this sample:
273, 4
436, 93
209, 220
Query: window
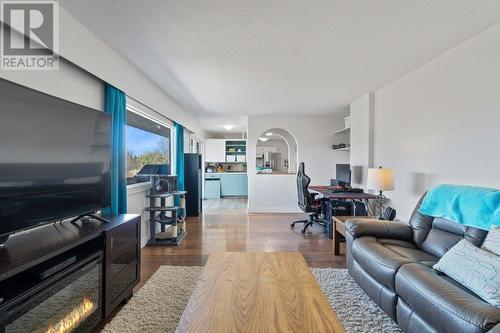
148, 142
195, 146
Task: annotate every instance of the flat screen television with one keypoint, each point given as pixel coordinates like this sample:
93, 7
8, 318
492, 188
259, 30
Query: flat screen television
55, 159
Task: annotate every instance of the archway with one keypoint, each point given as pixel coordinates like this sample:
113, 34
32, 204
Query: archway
276, 152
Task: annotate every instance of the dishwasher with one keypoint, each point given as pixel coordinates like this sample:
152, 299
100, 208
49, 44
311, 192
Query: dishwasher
212, 186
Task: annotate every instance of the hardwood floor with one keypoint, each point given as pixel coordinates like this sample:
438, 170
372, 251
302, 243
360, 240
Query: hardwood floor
242, 232
225, 206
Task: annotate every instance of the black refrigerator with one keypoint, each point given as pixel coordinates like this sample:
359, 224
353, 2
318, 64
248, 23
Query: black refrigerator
192, 183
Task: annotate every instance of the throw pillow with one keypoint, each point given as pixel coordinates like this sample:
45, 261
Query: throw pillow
492, 241
475, 268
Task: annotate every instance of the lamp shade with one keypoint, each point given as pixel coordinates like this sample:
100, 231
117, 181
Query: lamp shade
380, 179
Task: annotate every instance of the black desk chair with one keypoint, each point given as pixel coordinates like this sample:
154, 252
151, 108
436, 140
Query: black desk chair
307, 201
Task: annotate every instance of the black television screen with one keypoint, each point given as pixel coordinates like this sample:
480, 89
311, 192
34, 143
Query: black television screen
343, 172
55, 158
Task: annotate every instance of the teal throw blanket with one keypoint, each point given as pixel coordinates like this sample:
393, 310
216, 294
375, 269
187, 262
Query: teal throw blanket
477, 207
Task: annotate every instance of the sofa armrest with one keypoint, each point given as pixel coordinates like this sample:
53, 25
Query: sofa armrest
359, 227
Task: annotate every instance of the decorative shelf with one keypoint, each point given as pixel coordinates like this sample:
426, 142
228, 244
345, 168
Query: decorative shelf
344, 130
343, 149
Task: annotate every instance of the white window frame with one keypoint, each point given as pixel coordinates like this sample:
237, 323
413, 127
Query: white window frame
194, 139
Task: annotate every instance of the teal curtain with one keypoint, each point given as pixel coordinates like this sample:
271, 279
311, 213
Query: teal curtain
115, 104
179, 158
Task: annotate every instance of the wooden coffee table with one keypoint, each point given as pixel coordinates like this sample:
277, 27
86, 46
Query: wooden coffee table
258, 292
339, 230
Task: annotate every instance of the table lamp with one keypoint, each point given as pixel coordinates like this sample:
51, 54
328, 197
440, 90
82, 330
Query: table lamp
380, 180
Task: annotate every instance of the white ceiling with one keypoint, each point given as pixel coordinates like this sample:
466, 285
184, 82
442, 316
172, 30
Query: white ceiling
244, 57
214, 123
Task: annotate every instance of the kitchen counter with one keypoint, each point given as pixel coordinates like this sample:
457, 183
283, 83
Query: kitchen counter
276, 173
226, 173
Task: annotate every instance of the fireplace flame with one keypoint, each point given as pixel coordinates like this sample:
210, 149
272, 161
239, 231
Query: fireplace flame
72, 319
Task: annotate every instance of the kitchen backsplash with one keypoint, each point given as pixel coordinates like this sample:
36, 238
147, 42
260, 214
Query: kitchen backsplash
235, 167
229, 167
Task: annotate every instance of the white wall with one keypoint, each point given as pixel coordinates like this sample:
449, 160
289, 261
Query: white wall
69, 82
136, 202
314, 135
361, 137
441, 123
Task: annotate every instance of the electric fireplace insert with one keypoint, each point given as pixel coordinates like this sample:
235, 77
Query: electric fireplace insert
66, 300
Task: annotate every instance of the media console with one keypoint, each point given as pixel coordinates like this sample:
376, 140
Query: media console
68, 276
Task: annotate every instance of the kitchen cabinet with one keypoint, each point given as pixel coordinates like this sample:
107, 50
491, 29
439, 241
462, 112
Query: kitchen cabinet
233, 184
215, 150
221, 150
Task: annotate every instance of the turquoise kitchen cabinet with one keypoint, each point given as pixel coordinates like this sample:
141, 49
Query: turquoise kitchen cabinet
233, 185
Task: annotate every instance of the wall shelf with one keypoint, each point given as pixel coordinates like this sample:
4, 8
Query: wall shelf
344, 130
343, 149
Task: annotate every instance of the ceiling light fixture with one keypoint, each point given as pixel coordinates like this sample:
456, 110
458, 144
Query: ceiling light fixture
269, 133
229, 127
263, 139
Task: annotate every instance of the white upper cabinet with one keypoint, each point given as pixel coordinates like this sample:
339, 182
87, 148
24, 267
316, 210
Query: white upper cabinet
215, 150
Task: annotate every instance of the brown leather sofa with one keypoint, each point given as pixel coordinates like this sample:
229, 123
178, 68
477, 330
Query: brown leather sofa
392, 262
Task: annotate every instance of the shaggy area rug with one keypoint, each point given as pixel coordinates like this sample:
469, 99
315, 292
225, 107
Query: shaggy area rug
159, 304
356, 311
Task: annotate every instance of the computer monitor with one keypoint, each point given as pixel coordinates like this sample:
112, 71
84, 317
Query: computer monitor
343, 174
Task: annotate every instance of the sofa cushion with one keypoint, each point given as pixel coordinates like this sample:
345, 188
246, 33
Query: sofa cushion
475, 268
385, 297
409, 321
445, 234
444, 305
383, 257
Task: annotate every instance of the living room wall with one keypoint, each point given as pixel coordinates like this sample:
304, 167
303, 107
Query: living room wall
441, 123
69, 82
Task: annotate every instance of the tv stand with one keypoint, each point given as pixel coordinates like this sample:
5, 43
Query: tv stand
85, 217
34, 264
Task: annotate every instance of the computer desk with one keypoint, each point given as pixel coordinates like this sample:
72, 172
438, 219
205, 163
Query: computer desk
330, 195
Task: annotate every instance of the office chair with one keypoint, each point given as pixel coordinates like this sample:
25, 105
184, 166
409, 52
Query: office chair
307, 201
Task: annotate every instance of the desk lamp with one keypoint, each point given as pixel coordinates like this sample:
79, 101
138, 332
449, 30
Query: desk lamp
380, 180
